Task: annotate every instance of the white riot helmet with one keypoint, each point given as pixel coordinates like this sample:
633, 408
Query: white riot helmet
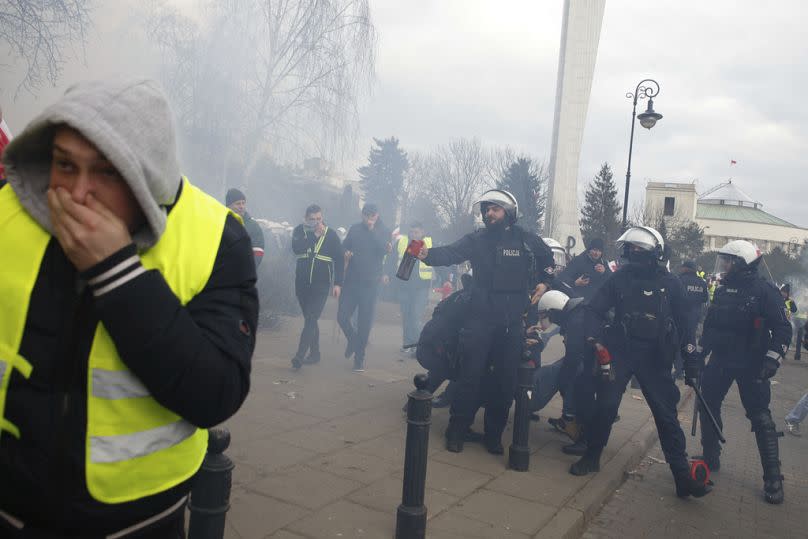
740, 255
501, 198
550, 305
559, 254
644, 237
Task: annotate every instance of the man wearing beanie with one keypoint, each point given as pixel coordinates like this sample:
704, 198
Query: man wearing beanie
587, 271
237, 201
129, 315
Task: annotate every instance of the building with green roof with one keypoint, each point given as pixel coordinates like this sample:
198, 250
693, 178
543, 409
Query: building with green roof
725, 212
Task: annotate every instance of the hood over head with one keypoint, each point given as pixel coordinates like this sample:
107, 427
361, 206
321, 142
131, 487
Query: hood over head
131, 123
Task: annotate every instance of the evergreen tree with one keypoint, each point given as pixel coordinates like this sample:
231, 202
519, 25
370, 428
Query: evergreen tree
524, 180
686, 243
600, 216
382, 178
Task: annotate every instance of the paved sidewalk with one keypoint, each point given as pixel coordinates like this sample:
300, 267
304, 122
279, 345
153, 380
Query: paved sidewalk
319, 453
645, 506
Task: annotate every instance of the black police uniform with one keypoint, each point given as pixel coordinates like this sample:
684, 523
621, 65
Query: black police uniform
696, 296
649, 305
745, 321
506, 263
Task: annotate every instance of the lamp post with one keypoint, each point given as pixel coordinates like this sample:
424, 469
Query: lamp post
646, 88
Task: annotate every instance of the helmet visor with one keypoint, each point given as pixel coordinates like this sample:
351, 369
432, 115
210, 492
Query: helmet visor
559, 259
724, 264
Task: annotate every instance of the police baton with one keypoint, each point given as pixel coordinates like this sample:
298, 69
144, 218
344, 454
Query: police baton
709, 413
695, 421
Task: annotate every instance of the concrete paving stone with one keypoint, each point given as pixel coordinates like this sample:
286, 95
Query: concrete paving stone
566, 524
453, 524
505, 511
532, 487
268, 454
356, 466
283, 534
475, 458
451, 479
305, 486
323, 438
385, 495
313, 407
347, 520
244, 474
254, 517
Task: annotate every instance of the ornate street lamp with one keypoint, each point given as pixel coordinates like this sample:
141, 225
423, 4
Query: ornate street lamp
646, 88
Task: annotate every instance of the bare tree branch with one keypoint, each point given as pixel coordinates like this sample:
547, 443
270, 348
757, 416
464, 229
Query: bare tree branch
38, 34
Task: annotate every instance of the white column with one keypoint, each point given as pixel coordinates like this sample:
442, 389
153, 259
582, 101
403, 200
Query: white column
580, 34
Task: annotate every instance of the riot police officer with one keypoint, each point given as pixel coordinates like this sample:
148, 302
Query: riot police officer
568, 314
649, 306
696, 297
507, 262
747, 334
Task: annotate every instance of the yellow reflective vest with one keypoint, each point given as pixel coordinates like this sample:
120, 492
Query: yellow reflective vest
134, 446
424, 271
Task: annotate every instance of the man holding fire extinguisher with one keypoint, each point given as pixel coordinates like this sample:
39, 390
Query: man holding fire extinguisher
507, 262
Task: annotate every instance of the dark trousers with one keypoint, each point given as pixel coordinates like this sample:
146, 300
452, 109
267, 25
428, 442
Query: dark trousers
800, 337
755, 397
660, 393
359, 297
312, 301
489, 359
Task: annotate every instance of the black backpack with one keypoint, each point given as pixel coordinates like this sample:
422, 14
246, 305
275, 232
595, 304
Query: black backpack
437, 345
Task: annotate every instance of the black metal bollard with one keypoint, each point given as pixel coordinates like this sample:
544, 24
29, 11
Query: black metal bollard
210, 496
411, 515
519, 452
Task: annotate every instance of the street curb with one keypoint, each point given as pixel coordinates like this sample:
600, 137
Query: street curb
571, 520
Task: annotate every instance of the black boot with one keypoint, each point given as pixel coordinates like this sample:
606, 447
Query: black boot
493, 444
297, 362
589, 463
455, 436
713, 462
768, 445
687, 486
578, 448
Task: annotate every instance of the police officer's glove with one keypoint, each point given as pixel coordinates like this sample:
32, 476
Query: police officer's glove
771, 362
694, 363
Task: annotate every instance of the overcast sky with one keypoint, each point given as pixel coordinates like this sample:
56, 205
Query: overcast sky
730, 73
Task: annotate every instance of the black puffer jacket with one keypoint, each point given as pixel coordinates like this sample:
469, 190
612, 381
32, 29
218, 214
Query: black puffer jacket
195, 360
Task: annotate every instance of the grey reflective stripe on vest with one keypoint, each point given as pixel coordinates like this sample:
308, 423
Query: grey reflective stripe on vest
2, 369
115, 385
104, 449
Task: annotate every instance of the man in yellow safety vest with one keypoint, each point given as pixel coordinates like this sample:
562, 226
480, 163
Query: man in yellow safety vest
413, 295
129, 311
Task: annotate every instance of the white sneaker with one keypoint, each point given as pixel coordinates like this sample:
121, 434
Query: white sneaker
793, 429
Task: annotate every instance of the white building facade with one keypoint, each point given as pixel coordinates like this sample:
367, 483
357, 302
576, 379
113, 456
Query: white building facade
725, 213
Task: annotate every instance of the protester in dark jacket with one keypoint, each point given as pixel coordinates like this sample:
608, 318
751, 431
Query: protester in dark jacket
587, 271
134, 332
237, 201
319, 265
365, 246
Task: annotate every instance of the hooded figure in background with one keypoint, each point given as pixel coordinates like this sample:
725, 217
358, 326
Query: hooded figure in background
129, 314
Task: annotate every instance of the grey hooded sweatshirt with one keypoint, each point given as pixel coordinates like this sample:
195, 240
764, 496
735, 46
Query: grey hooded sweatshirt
130, 123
